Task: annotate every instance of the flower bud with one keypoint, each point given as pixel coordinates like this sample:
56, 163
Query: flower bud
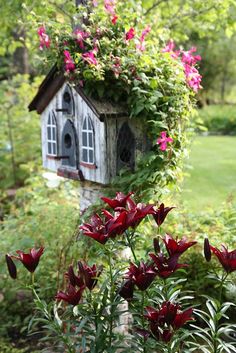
156, 245
11, 267
207, 250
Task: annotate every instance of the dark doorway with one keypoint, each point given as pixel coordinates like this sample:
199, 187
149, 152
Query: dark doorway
69, 145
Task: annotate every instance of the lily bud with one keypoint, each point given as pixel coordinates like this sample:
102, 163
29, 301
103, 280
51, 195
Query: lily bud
156, 245
207, 250
11, 267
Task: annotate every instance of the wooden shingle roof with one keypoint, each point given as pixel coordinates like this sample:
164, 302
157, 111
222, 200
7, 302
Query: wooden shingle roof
55, 80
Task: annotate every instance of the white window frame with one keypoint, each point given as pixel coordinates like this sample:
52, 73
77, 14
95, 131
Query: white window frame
86, 133
52, 127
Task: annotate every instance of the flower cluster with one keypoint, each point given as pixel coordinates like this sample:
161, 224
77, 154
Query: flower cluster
193, 78
163, 322
163, 266
126, 214
86, 277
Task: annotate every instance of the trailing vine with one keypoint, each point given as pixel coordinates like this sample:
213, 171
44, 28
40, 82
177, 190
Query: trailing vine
114, 57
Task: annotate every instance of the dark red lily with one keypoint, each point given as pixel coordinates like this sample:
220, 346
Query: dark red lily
142, 275
72, 296
115, 225
226, 258
127, 290
29, 260
101, 230
95, 229
11, 266
164, 266
165, 321
119, 201
74, 280
89, 274
160, 213
137, 214
176, 247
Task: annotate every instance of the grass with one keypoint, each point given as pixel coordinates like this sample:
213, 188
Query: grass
212, 178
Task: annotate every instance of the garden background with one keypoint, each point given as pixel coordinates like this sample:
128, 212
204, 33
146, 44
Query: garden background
33, 212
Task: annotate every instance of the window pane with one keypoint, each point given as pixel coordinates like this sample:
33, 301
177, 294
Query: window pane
85, 155
49, 133
85, 124
53, 121
49, 148
84, 139
54, 134
54, 148
49, 119
91, 156
89, 124
90, 135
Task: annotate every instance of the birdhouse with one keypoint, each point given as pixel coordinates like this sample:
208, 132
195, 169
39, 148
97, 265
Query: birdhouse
83, 138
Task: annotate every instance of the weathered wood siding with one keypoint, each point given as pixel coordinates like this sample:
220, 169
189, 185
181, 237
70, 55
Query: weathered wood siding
113, 127
99, 172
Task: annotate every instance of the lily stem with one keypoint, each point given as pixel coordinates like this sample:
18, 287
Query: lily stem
129, 239
223, 279
111, 298
142, 320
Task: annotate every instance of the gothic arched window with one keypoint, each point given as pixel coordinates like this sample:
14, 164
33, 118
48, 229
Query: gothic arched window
88, 141
68, 101
51, 135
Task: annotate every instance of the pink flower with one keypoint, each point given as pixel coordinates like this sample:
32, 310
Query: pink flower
130, 34
163, 140
80, 36
114, 19
145, 33
95, 3
110, 6
193, 77
141, 45
169, 48
188, 58
69, 63
89, 57
43, 38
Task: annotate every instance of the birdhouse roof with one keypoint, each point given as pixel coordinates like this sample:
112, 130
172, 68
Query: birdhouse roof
55, 80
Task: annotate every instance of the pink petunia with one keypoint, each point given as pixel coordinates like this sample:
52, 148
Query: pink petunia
130, 34
43, 38
69, 62
163, 140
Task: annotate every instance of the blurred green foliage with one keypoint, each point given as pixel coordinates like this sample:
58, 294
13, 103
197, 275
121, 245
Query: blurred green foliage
39, 217
19, 131
219, 119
